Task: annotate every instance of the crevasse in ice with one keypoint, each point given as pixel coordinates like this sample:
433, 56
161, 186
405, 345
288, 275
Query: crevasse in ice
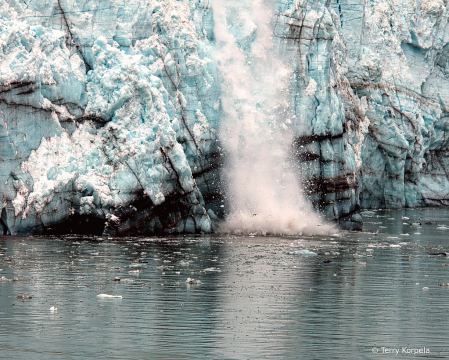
110, 111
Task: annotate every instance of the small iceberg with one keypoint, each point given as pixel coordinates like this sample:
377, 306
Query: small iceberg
53, 309
106, 296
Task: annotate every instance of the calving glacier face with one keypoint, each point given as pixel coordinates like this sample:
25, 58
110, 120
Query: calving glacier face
110, 111
109, 117
308, 35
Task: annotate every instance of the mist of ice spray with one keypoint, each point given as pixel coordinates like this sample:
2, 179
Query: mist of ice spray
263, 189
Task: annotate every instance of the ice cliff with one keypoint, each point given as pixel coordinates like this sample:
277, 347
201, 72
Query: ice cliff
110, 111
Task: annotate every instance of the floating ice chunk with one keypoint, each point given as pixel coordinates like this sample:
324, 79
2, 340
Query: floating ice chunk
425, 288
405, 218
395, 245
137, 265
53, 309
106, 296
368, 213
306, 253
193, 281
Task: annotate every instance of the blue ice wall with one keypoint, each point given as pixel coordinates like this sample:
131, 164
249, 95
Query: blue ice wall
372, 98
110, 110
109, 117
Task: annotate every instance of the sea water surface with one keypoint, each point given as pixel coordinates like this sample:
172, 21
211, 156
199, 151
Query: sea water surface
364, 295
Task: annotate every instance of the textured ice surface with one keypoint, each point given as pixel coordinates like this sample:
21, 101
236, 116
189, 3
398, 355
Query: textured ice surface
371, 101
108, 114
110, 110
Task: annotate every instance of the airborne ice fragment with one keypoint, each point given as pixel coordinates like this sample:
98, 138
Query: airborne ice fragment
106, 296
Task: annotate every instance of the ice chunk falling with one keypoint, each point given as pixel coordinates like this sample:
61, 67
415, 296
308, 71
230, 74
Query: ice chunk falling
263, 185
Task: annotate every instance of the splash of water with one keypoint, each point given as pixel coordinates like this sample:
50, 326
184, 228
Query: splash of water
263, 186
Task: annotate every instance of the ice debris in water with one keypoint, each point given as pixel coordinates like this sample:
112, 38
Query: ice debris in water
106, 296
193, 281
137, 265
53, 309
306, 253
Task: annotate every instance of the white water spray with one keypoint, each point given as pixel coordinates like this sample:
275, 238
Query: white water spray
263, 189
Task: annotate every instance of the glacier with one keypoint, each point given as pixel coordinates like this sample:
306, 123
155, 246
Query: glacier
111, 113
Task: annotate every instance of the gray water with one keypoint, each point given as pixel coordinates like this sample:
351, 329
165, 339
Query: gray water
259, 297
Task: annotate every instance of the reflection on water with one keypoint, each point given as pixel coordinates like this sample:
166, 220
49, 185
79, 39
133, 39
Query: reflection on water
346, 296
